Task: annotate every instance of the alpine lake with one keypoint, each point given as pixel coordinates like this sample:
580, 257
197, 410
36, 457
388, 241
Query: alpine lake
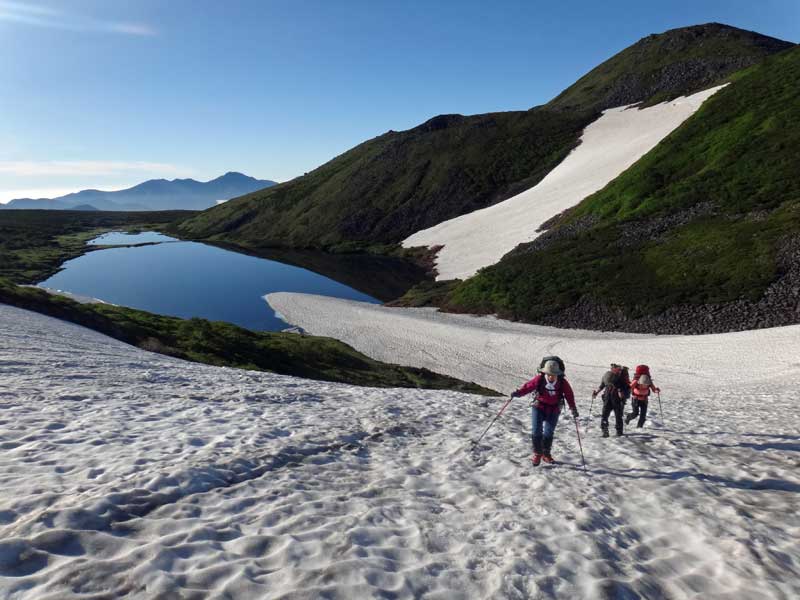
153, 272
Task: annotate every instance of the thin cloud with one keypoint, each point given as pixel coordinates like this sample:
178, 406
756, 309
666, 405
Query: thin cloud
43, 16
82, 168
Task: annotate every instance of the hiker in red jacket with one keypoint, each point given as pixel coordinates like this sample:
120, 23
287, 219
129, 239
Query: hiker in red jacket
641, 387
550, 388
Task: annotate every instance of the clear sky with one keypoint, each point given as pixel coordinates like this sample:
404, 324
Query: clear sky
105, 94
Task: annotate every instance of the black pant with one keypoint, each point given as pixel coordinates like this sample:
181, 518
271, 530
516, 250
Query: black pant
617, 404
639, 410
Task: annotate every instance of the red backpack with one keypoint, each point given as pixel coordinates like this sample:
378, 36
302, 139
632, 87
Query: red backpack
641, 370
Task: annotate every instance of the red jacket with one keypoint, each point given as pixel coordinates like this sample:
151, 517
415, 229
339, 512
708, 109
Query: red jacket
546, 398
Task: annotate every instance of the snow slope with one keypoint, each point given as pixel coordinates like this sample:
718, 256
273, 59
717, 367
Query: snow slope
501, 354
124, 473
608, 147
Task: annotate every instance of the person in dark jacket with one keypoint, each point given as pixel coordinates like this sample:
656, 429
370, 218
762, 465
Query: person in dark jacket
615, 386
549, 388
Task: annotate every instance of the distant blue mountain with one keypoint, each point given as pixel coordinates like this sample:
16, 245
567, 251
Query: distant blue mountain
155, 194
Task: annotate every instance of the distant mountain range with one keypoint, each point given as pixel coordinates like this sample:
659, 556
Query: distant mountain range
154, 194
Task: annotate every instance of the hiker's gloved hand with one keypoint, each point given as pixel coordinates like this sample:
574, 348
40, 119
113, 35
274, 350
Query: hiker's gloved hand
594, 394
658, 390
515, 394
575, 412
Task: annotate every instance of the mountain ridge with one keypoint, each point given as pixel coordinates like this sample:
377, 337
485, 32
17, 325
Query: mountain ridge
153, 194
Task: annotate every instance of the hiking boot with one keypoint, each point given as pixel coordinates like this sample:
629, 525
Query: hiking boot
605, 432
628, 418
536, 459
548, 459
619, 433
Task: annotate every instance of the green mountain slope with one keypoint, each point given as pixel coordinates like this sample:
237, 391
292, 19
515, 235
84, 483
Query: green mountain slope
702, 234
391, 186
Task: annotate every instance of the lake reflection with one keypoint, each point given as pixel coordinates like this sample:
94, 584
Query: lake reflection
117, 238
188, 279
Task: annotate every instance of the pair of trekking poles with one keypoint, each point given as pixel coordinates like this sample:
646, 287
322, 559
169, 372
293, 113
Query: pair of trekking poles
577, 431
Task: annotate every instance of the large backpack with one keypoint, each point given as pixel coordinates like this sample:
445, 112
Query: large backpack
641, 370
626, 381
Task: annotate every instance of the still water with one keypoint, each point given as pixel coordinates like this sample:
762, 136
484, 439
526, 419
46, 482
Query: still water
119, 238
188, 279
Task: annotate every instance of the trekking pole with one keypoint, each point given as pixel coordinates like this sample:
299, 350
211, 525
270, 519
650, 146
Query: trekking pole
591, 404
583, 460
476, 442
660, 411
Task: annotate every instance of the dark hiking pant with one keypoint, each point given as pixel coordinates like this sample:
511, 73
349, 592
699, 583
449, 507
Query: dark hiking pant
617, 405
543, 429
639, 410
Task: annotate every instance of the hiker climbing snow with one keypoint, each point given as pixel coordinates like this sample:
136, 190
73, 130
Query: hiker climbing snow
641, 386
550, 389
615, 387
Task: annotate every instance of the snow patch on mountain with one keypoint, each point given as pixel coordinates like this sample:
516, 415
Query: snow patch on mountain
608, 147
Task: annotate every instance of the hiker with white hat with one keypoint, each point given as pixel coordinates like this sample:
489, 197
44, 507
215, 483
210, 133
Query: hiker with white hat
641, 386
550, 389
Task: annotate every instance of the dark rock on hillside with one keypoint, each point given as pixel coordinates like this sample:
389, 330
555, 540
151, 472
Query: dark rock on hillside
440, 122
636, 232
779, 306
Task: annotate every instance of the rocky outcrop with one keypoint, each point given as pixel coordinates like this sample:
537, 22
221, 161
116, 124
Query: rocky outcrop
700, 57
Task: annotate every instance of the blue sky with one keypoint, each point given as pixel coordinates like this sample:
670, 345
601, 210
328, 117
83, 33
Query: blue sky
104, 94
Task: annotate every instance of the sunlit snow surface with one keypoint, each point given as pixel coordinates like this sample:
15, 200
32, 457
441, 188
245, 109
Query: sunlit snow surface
608, 147
123, 472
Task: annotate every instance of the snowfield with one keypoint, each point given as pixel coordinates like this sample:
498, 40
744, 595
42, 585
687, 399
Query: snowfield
608, 147
126, 473
501, 354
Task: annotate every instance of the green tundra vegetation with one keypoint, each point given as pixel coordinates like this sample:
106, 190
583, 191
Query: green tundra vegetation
725, 188
223, 344
387, 188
